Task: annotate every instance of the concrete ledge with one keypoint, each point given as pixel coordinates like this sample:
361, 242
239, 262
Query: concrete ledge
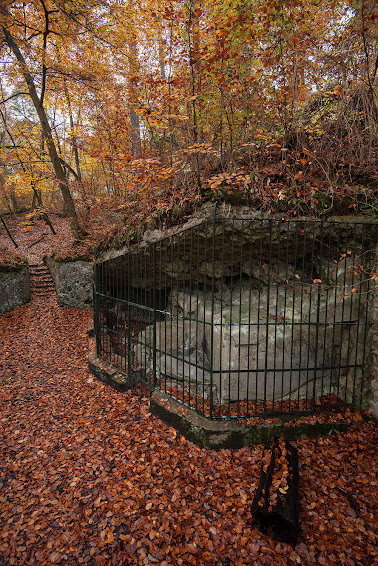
104, 371
227, 434
205, 432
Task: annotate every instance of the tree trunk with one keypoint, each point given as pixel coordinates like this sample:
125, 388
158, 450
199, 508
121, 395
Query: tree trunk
7, 231
69, 205
38, 198
136, 143
36, 194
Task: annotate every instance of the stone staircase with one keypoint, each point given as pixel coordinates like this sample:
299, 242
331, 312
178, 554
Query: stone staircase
41, 282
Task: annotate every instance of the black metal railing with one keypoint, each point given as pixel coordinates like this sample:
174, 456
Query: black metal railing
241, 317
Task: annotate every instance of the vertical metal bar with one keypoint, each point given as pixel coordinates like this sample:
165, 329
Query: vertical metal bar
206, 251
276, 321
221, 327
125, 313
154, 314
286, 260
104, 322
240, 314
324, 276
334, 362
231, 314
177, 318
310, 324
186, 362
267, 314
129, 298
190, 306
162, 307
249, 318
350, 322
168, 309
259, 322
341, 324
197, 311
367, 247
96, 301
296, 227
211, 353
110, 284
317, 325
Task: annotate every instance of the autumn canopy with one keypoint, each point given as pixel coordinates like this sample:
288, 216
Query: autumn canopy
143, 107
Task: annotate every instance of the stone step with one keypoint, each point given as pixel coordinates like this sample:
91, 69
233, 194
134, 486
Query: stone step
35, 294
42, 285
44, 277
39, 271
41, 282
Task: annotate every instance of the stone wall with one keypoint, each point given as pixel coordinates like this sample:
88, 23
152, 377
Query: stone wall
14, 287
73, 282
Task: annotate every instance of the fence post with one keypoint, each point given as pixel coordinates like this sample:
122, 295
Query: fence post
212, 315
154, 313
128, 341
96, 317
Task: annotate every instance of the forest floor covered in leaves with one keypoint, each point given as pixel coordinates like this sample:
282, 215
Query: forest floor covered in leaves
89, 476
35, 239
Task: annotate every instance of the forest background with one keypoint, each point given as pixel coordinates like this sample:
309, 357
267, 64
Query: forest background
121, 113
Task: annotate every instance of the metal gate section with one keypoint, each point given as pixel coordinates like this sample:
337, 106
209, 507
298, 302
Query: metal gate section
241, 317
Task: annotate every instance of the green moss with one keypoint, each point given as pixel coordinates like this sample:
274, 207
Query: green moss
63, 258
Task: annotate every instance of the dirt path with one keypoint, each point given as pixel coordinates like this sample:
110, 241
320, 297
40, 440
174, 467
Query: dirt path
88, 476
35, 241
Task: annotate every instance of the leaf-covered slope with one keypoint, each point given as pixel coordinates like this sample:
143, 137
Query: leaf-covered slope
89, 476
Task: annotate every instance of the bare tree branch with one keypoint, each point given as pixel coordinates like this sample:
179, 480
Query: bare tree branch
13, 96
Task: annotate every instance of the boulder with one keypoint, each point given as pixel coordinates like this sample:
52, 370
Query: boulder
73, 282
14, 287
264, 345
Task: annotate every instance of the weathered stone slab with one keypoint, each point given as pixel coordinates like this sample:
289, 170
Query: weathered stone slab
14, 287
73, 282
265, 345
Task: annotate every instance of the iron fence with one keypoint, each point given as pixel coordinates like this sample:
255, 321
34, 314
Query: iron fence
242, 317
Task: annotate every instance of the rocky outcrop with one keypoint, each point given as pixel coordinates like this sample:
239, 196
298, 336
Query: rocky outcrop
263, 249
14, 287
260, 309
265, 344
73, 282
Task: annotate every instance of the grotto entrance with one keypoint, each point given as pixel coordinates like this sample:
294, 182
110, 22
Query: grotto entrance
239, 317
